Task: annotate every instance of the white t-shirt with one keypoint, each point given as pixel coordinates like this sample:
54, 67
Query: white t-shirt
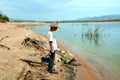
51, 37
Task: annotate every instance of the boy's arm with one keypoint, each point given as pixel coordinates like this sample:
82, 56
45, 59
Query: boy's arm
51, 47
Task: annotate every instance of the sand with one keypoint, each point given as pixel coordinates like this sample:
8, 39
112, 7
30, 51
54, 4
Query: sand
12, 51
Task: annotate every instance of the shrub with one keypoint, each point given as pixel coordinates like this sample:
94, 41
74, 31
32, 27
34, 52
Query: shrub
5, 18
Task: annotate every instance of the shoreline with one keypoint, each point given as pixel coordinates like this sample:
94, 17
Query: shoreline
90, 68
86, 71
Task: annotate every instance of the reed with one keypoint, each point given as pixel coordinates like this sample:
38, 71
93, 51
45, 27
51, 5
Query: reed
92, 34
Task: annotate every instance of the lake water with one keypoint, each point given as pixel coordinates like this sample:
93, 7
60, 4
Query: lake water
98, 43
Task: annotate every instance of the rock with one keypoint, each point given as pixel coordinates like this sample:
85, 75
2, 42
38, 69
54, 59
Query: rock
58, 49
58, 60
67, 57
74, 62
63, 52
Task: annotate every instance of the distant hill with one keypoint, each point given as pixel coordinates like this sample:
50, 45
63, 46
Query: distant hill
105, 17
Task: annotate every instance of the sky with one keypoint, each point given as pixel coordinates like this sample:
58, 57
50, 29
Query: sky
55, 10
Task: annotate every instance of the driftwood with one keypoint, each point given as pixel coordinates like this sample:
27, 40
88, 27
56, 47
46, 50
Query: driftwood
30, 61
3, 46
1, 39
34, 43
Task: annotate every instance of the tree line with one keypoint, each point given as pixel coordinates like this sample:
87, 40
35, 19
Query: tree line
3, 17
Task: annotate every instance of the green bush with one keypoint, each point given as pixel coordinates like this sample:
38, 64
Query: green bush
0, 15
5, 18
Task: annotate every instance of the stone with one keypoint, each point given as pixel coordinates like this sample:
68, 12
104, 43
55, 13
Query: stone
74, 62
67, 57
63, 52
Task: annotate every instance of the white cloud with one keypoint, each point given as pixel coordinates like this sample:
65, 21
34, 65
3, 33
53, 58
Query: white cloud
58, 9
92, 3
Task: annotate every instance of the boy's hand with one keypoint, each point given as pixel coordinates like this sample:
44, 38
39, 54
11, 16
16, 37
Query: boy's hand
52, 51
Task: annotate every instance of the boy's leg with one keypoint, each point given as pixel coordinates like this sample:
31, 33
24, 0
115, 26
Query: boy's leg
51, 63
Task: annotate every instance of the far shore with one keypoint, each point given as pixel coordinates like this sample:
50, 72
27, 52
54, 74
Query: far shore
13, 34
22, 24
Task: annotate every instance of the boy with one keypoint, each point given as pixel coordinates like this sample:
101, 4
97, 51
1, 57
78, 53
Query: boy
52, 47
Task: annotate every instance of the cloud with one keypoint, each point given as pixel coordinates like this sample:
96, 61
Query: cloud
58, 9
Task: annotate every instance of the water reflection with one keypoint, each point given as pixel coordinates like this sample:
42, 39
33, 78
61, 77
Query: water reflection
94, 34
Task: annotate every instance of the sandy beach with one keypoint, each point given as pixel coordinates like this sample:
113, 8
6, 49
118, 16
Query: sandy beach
12, 52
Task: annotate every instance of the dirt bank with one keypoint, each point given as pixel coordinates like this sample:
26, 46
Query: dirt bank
13, 52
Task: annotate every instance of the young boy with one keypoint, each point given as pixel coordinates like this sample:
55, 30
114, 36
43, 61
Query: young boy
52, 47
